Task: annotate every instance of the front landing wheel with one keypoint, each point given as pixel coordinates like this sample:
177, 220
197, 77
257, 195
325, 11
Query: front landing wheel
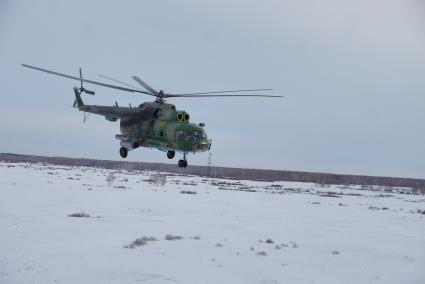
123, 152
182, 163
171, 154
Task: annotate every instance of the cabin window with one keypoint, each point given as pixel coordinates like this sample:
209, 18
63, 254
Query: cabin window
161, 133
157, 113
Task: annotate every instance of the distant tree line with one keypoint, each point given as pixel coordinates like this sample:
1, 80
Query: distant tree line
224, 172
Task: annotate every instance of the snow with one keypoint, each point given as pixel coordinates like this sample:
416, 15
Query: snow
323, 234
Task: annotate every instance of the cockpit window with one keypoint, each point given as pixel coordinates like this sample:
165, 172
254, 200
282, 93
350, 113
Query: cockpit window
180, 136
190, 136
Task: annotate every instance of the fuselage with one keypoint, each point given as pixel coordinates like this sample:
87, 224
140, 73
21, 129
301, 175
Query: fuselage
168, 129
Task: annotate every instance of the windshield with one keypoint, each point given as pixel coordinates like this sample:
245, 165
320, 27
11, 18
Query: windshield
190, 136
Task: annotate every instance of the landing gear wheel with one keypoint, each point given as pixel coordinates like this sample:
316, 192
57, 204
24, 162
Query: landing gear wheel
171, 154
182, 163
123, 152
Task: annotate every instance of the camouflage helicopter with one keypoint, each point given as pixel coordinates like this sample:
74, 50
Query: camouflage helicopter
154, 124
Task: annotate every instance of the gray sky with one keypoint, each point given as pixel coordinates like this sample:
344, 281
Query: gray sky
352, 73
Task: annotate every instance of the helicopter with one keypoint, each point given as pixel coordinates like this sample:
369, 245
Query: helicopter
156, 124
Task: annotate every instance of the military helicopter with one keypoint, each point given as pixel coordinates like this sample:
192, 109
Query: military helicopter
154, 124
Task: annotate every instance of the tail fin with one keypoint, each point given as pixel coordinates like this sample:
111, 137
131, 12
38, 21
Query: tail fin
78, 101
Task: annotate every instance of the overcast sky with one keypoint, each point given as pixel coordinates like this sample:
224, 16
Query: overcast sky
352, 73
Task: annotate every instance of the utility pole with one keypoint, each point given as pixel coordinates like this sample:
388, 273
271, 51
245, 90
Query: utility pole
209, 163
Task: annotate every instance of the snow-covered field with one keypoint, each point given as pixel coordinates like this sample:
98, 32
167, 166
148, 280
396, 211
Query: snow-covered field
231, 231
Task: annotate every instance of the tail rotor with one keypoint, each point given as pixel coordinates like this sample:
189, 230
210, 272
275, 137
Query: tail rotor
82, 89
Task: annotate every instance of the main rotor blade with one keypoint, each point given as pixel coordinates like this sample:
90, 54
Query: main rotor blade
210, 94
87, 81
146, 86
117, 81
81, 78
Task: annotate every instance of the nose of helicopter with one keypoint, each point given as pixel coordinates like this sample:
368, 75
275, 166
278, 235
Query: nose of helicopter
204, 145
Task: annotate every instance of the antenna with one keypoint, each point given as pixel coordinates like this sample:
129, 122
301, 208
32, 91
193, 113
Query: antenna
86, 116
